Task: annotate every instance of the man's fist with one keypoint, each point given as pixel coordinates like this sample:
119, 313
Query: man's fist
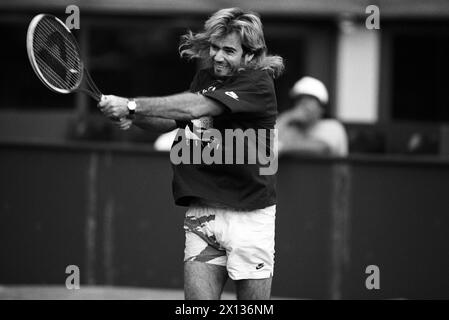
113, 107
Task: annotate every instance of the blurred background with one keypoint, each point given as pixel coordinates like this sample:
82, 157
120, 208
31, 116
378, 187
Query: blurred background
77, 191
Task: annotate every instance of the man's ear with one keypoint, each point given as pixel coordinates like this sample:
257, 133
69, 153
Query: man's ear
248, 57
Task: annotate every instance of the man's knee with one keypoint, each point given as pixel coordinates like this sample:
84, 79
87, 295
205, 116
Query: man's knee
254, 289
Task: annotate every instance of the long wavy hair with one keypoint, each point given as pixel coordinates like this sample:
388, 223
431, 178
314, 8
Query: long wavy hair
223, 22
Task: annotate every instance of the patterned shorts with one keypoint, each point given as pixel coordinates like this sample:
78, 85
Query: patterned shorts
242, 241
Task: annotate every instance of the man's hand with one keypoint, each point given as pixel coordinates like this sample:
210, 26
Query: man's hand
113, 107
123, 123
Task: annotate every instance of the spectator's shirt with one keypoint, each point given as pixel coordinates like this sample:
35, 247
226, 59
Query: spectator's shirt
249, 102
331, 132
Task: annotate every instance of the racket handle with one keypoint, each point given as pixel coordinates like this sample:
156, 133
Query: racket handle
96, 96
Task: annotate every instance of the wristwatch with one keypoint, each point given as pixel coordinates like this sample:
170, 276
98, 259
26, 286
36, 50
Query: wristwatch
131, 107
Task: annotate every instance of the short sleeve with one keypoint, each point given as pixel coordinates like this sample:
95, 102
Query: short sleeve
251, 92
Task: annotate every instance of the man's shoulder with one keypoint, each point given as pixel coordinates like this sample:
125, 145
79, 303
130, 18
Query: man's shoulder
202, 79
241, 74
255, 80
258, 75
205, 73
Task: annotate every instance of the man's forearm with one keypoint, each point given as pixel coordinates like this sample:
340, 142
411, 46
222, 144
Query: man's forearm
183, 106
154, 124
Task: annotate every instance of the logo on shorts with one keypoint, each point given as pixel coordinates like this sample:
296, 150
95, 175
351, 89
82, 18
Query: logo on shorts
260, 266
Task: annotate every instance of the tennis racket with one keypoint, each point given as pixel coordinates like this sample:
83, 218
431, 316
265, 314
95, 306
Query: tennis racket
55, 57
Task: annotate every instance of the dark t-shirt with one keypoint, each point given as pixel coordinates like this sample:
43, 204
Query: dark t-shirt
244, 144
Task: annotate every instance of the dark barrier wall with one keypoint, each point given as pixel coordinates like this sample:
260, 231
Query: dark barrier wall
109, 210
399, 220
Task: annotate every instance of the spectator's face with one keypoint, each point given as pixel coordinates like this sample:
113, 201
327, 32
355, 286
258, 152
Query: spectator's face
308, 108
226, 54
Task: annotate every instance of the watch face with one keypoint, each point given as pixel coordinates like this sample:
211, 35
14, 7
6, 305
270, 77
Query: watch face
132, 105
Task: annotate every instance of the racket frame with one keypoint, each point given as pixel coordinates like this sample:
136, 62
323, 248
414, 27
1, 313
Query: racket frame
96, 94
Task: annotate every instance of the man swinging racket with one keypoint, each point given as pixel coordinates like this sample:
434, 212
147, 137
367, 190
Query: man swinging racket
230, 221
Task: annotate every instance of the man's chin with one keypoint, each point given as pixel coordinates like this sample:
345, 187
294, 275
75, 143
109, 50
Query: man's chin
221, 73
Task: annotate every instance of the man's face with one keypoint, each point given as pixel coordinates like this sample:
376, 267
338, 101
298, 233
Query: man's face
226, 54
307, 110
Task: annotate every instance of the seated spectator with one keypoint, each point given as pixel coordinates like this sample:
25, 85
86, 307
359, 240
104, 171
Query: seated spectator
302, 129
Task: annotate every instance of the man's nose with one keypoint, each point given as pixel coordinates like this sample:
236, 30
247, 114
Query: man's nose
219, 56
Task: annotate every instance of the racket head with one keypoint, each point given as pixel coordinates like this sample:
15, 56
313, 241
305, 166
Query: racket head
54, 54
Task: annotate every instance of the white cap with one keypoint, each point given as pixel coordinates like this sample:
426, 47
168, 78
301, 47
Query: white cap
312, 87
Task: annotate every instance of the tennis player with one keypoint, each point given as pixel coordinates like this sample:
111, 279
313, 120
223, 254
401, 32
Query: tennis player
230, 221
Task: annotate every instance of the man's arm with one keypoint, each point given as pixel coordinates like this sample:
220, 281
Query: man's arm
182, 107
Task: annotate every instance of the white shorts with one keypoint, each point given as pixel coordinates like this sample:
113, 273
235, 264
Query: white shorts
242, 241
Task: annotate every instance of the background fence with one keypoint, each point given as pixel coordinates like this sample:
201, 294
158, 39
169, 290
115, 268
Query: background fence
108, 208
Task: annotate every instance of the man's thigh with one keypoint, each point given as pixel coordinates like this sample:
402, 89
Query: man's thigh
253, 289
203, 281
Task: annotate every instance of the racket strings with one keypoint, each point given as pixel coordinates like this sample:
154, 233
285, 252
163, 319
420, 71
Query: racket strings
58, 76
44, 39
67, 69
55, 77
49, 27
71, 60
56, 55
70, 48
